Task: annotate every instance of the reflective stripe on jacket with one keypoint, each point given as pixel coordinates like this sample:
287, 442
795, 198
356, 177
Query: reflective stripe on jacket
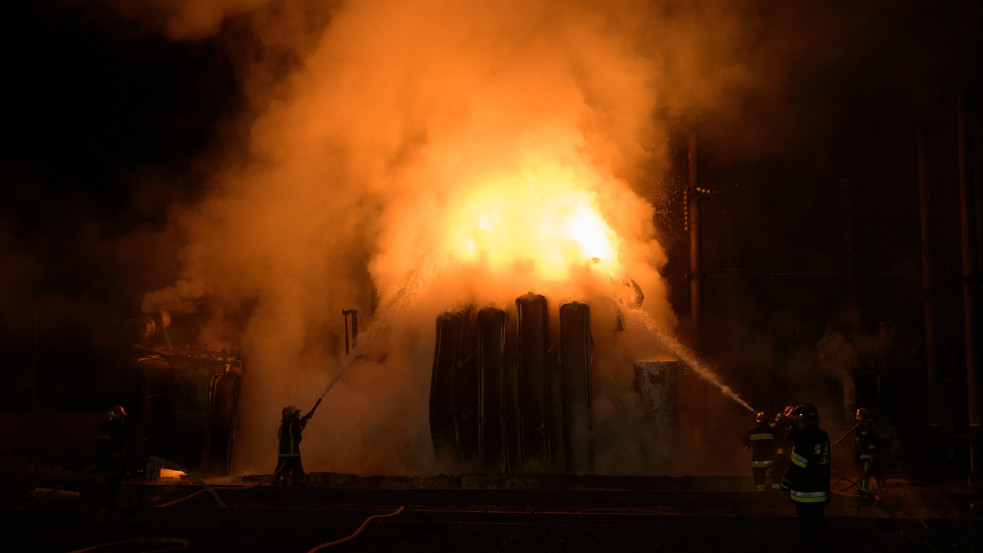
761, 440
807, 478
809, 497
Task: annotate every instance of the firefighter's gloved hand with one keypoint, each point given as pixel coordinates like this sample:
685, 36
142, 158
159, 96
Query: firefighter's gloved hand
786, 485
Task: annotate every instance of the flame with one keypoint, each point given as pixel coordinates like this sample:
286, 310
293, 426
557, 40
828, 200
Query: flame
546, 225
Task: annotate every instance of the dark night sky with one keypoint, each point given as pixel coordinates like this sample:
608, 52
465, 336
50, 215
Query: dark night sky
104, 120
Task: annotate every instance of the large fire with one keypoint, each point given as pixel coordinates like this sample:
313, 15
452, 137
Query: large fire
546, 222
419, 161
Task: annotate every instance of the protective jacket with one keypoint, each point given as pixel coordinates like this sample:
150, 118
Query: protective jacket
761, 440
807, 477
289, 437
111, 449
866, 439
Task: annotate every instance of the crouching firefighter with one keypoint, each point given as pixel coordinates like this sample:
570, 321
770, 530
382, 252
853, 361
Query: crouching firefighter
289, 469
807, 477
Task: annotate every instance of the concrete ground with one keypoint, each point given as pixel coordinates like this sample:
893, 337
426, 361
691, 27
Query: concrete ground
475, 514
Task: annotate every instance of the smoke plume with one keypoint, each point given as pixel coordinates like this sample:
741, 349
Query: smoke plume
406, 158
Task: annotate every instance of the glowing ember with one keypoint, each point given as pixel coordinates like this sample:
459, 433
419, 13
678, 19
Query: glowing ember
170, 473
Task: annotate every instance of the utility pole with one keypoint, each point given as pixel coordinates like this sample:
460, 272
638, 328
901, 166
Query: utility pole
35, 358
970, 281
933, 373
695, 239
353, 313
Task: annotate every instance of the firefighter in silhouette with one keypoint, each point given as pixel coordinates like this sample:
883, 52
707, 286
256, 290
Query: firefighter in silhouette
760, 439
111, 453
782, 429
807, 478
865, 446
289, 469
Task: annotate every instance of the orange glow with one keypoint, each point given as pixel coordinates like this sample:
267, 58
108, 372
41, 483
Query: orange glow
545, 225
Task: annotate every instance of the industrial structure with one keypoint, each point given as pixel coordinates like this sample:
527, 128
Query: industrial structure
512, 397
187, 402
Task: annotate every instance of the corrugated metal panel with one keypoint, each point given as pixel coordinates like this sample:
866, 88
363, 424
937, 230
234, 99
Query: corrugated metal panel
492, 363
575, 360
532, 344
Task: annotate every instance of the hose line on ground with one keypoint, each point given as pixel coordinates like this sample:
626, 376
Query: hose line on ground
357, 532
260, 482
176, 466
51, 491
181, 543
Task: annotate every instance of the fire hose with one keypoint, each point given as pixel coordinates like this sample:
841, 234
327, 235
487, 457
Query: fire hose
337, 375
351, 355
845, 434
181, 543
357, 532
176, 466
51, 491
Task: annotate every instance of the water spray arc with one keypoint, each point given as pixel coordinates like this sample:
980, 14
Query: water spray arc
688, 358
373, 333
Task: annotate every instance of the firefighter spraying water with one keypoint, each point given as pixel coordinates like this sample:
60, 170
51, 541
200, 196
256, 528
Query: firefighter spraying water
289, 468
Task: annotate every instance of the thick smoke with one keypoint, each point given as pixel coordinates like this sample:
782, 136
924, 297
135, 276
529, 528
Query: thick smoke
371, 126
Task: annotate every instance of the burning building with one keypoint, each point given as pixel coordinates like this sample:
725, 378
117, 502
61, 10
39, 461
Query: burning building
504, 397
419, 161
186, 402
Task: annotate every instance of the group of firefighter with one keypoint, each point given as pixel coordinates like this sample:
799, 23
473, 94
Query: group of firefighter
804, 471
111, 451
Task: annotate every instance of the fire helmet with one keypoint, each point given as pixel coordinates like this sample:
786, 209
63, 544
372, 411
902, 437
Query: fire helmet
115, 413
760, 417
804, 413
862, 414
290, 411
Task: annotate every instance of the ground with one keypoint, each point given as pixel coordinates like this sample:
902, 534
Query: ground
473, 513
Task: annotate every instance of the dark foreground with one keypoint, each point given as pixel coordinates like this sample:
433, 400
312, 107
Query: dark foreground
478, 514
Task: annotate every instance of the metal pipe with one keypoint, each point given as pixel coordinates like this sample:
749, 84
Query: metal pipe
970, 293
354, 328
934, 377
849, 256
695, 239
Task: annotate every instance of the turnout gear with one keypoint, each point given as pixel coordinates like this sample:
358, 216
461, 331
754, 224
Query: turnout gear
807, 478
111, 454
782, 428
760, 439
865, 447
289, 468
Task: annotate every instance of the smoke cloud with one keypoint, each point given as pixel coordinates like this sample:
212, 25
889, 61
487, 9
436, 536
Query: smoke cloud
398, 158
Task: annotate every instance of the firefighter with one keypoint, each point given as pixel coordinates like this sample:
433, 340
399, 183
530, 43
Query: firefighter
865, 446
289, 469
782, 429
760, 439
807, 478
111, 453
